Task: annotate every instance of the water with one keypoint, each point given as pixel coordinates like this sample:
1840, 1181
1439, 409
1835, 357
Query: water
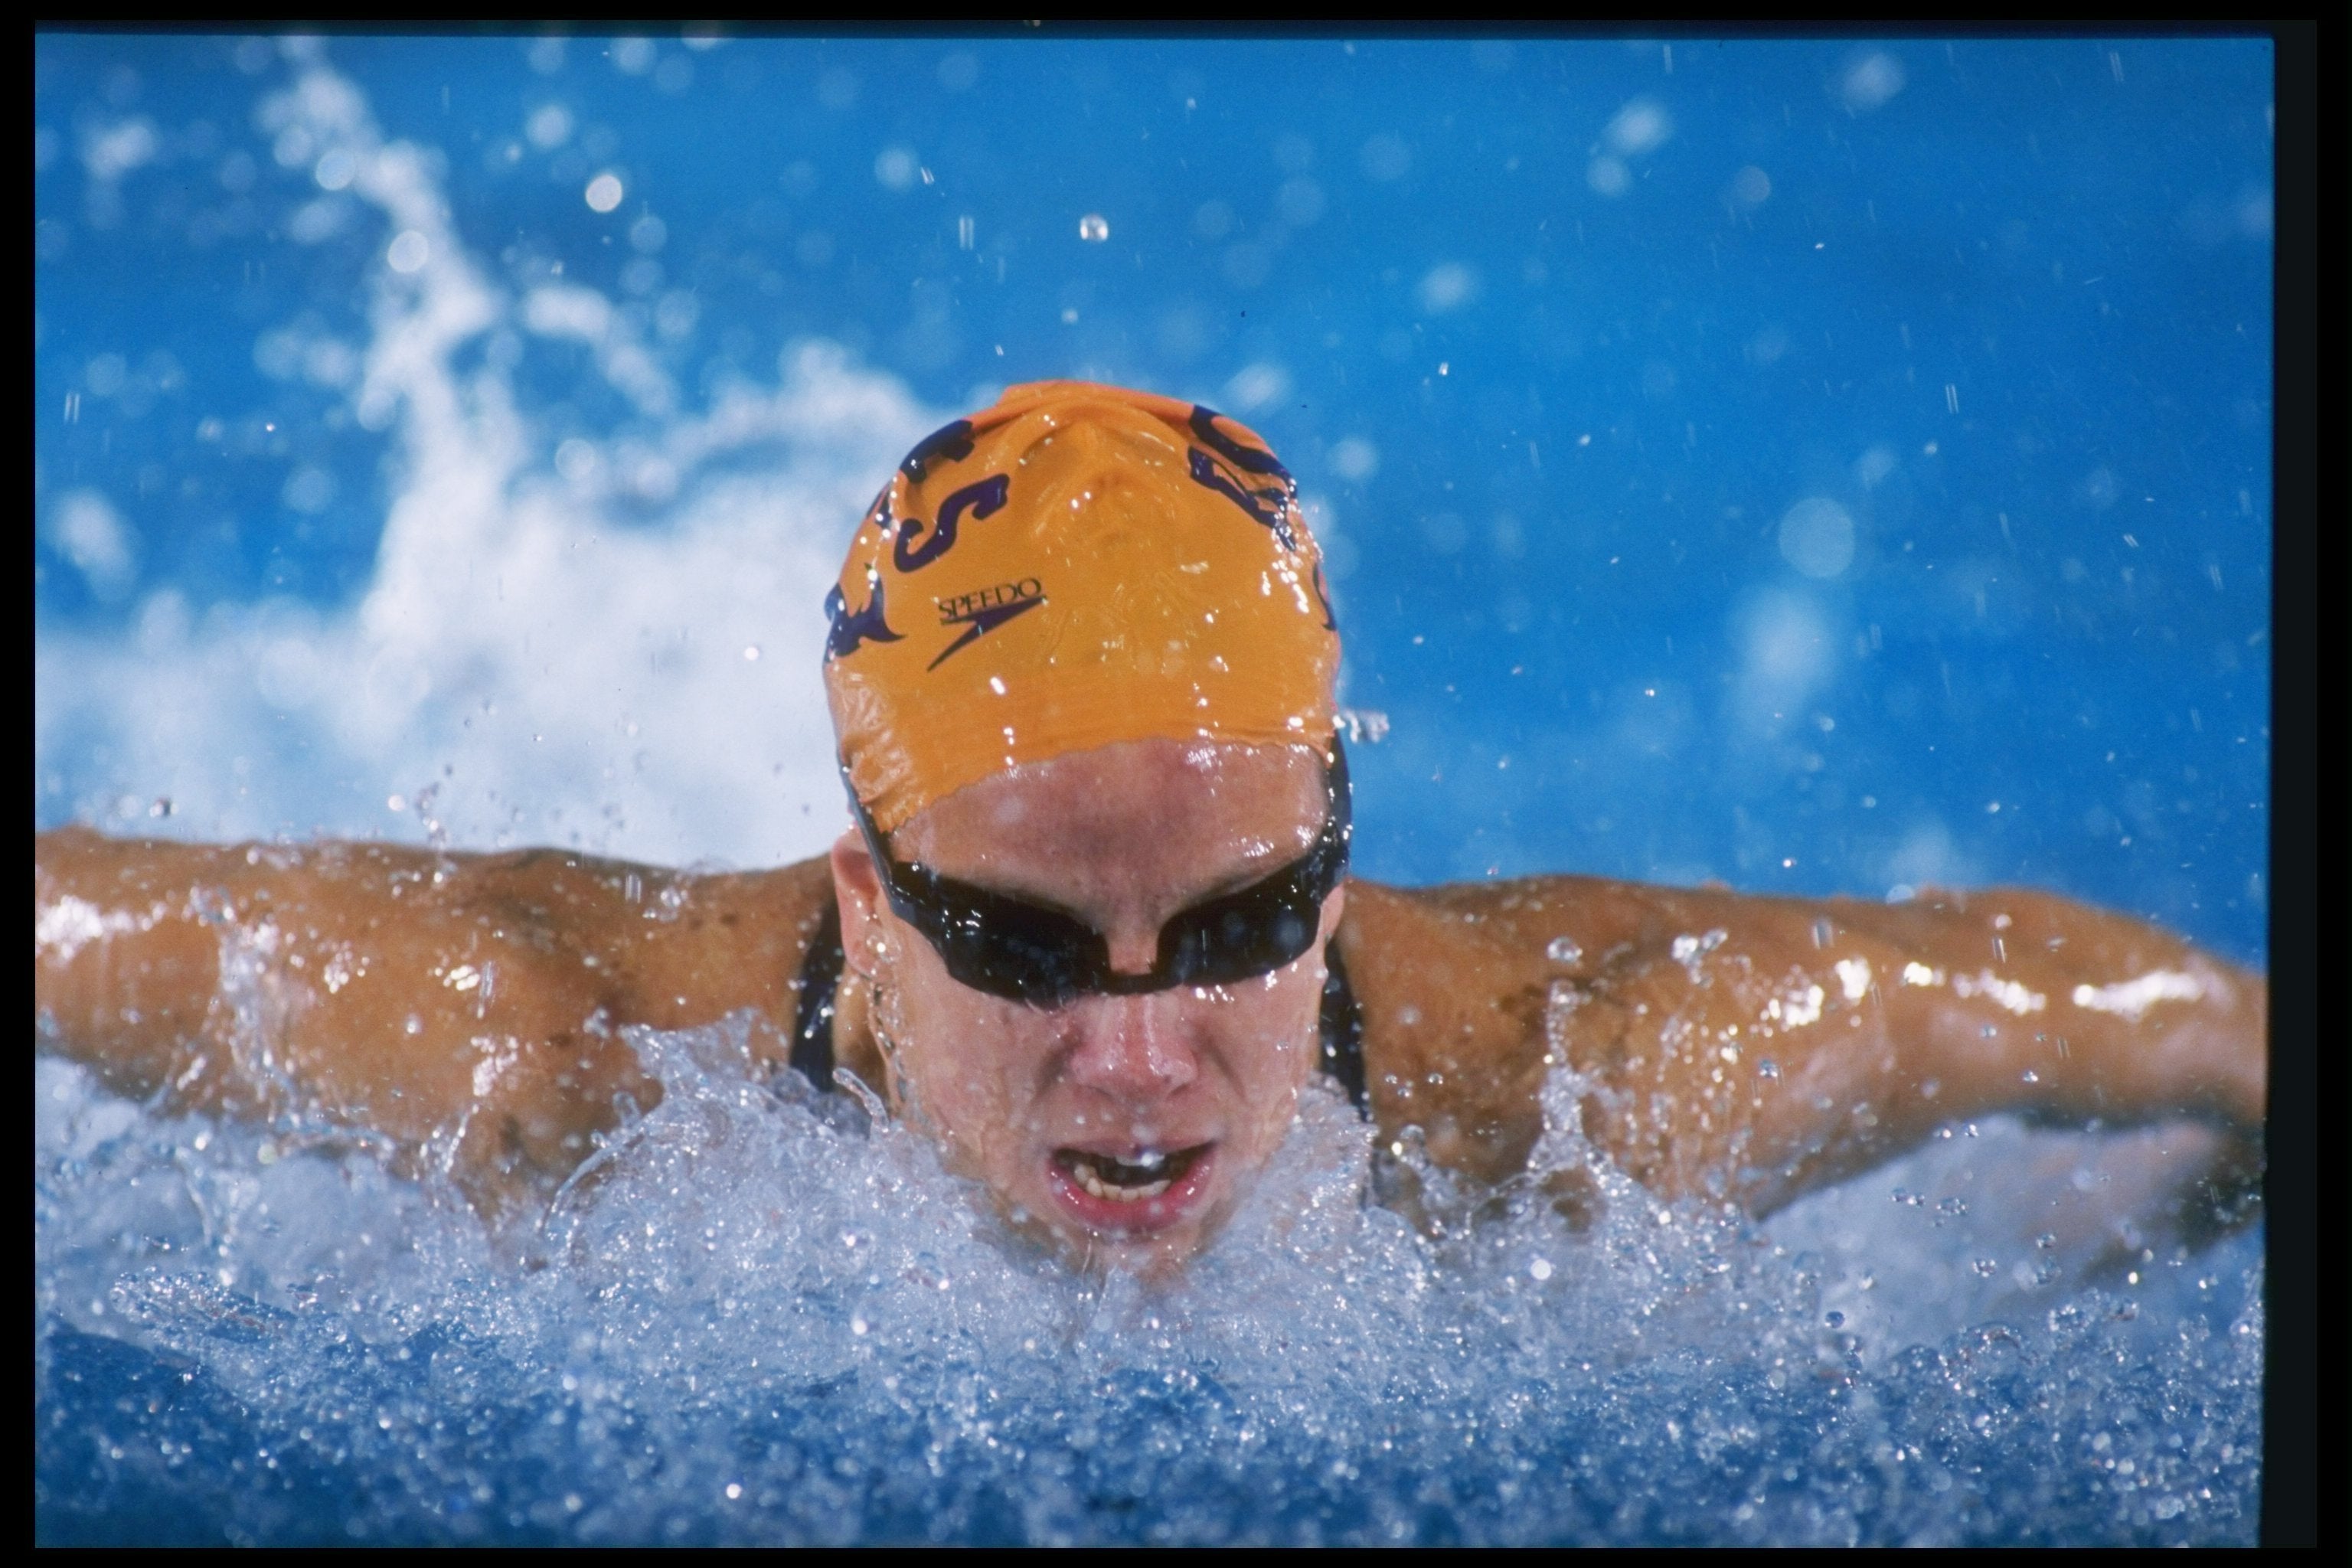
1754, 461
755, 1318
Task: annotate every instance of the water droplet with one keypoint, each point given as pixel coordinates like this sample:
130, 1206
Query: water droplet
1563, 950
409, 252
1767, 1068
1985, 1268
1094, 227
1836, 1320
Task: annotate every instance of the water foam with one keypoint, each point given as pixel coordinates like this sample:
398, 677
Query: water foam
756, 1318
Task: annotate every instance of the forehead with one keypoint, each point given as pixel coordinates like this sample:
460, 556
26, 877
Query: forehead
1137, 815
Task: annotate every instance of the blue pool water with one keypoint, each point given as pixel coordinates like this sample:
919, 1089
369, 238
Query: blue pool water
1823, 466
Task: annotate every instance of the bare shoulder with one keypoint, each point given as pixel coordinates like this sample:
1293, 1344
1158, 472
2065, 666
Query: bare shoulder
1456, 983
426, 994
1709, 1020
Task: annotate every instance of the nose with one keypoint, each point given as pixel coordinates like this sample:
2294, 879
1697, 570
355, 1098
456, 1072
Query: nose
1132, 1047
1134, 947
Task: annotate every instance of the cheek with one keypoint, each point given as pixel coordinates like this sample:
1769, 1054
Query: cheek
1269, 1031
969, 1057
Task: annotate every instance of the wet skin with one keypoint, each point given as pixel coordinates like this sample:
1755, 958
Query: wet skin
468, 1008
1200, 1083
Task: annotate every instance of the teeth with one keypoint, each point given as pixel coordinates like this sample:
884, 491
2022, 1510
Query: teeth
1086, 1177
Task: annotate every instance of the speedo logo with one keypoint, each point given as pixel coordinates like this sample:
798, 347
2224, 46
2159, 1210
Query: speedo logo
983, 611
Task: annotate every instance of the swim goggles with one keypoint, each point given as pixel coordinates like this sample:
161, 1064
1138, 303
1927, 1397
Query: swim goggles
1032, 952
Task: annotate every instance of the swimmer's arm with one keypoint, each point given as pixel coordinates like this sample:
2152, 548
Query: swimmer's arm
1943, 1009
465, 1006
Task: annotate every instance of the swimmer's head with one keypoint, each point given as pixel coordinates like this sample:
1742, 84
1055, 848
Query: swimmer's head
1077, 566
1081, 671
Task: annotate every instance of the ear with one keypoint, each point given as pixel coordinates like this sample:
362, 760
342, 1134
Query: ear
857, 891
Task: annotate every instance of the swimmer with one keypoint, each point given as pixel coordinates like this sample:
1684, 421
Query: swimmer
1092, 930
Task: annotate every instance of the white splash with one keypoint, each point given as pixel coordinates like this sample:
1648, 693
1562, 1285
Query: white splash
1854, 977
2008, 994
2131, 998
64, 926
562, 653
1798, 1009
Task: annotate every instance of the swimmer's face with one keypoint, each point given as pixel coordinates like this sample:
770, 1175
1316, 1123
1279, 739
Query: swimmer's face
1128, 1127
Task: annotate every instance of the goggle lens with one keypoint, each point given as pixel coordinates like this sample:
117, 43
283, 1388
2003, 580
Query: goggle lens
1027, 952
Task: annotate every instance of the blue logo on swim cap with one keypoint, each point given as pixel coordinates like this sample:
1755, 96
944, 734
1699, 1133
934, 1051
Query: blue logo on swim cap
1269, 507
952, 442
851, 630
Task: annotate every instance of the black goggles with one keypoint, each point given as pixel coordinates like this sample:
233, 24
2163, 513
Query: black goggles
1032, 952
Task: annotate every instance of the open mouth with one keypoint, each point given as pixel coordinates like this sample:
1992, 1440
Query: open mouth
1147, 1175
1144, 1190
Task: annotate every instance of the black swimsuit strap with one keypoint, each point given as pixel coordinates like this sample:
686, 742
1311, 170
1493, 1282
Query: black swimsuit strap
813, 1018
1343, 1029
1342, 1021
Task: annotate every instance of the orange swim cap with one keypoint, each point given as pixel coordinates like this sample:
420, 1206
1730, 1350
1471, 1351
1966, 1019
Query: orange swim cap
1079, 565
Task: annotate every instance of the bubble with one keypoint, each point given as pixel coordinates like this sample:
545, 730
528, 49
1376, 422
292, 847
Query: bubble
1445, 286
604, 192
1641, 126
895, 168
1871, 82
1751, 187
1355, 459
1563, 950
959, 72
309, 490
408, 251
1299, 201
105, 374
633, 57
549, 127
837, 89
1254, 386
1817, 537
1094, 227
577, 460
91, 534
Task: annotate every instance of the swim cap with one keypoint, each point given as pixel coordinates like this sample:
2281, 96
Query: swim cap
1077, 565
